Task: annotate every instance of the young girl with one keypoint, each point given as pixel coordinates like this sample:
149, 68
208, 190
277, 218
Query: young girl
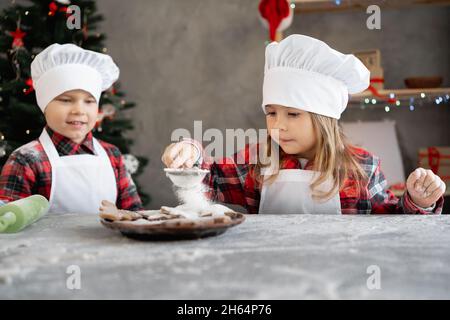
67, 165
306, 87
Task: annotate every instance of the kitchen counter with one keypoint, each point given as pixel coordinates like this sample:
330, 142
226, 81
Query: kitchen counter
266, 257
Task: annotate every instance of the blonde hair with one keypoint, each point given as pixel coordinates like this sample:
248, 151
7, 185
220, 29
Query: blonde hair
335, 158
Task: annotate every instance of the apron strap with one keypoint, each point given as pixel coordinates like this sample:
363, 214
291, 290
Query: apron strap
49, 147
99, 150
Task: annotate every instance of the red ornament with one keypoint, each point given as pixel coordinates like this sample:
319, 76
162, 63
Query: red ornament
17, 38
53, 8
275, 12
29, 83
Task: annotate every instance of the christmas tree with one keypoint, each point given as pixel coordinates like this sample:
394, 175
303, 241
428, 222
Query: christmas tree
25, 30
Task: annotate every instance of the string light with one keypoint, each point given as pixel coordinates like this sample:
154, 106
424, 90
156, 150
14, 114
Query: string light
292, 5
411, 104
439, 100
338, 2
27, 132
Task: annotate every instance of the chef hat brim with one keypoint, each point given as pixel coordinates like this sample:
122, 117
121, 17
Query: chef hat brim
63, 67
65, 78
304, 90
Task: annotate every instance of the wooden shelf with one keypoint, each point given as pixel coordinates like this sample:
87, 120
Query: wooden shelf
399, 93
306, 6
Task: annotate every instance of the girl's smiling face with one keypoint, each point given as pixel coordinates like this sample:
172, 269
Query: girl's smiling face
292, 129
72, 114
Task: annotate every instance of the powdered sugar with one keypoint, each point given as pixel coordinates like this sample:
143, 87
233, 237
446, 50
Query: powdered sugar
189, 190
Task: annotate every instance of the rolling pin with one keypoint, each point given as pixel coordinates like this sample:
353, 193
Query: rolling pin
16, 215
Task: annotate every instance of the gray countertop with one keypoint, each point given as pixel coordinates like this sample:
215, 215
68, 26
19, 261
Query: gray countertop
266, 257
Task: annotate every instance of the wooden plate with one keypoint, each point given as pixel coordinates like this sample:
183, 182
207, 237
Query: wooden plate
175, 229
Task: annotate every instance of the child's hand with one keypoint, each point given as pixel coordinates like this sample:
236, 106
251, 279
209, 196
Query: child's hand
180, 155
424, 187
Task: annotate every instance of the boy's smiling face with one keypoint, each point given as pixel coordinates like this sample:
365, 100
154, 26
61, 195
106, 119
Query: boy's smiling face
72, 114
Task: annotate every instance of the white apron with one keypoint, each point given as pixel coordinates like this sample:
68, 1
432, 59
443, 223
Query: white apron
79, 182
290, 193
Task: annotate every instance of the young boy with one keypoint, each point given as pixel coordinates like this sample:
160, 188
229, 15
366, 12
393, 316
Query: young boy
67, 165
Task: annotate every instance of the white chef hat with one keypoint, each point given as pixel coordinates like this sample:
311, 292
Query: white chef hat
305, 73
60, 68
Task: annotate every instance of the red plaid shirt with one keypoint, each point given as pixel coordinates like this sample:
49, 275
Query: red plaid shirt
28, 170
232, 183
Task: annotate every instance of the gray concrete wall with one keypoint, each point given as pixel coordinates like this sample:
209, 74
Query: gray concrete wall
183, 61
